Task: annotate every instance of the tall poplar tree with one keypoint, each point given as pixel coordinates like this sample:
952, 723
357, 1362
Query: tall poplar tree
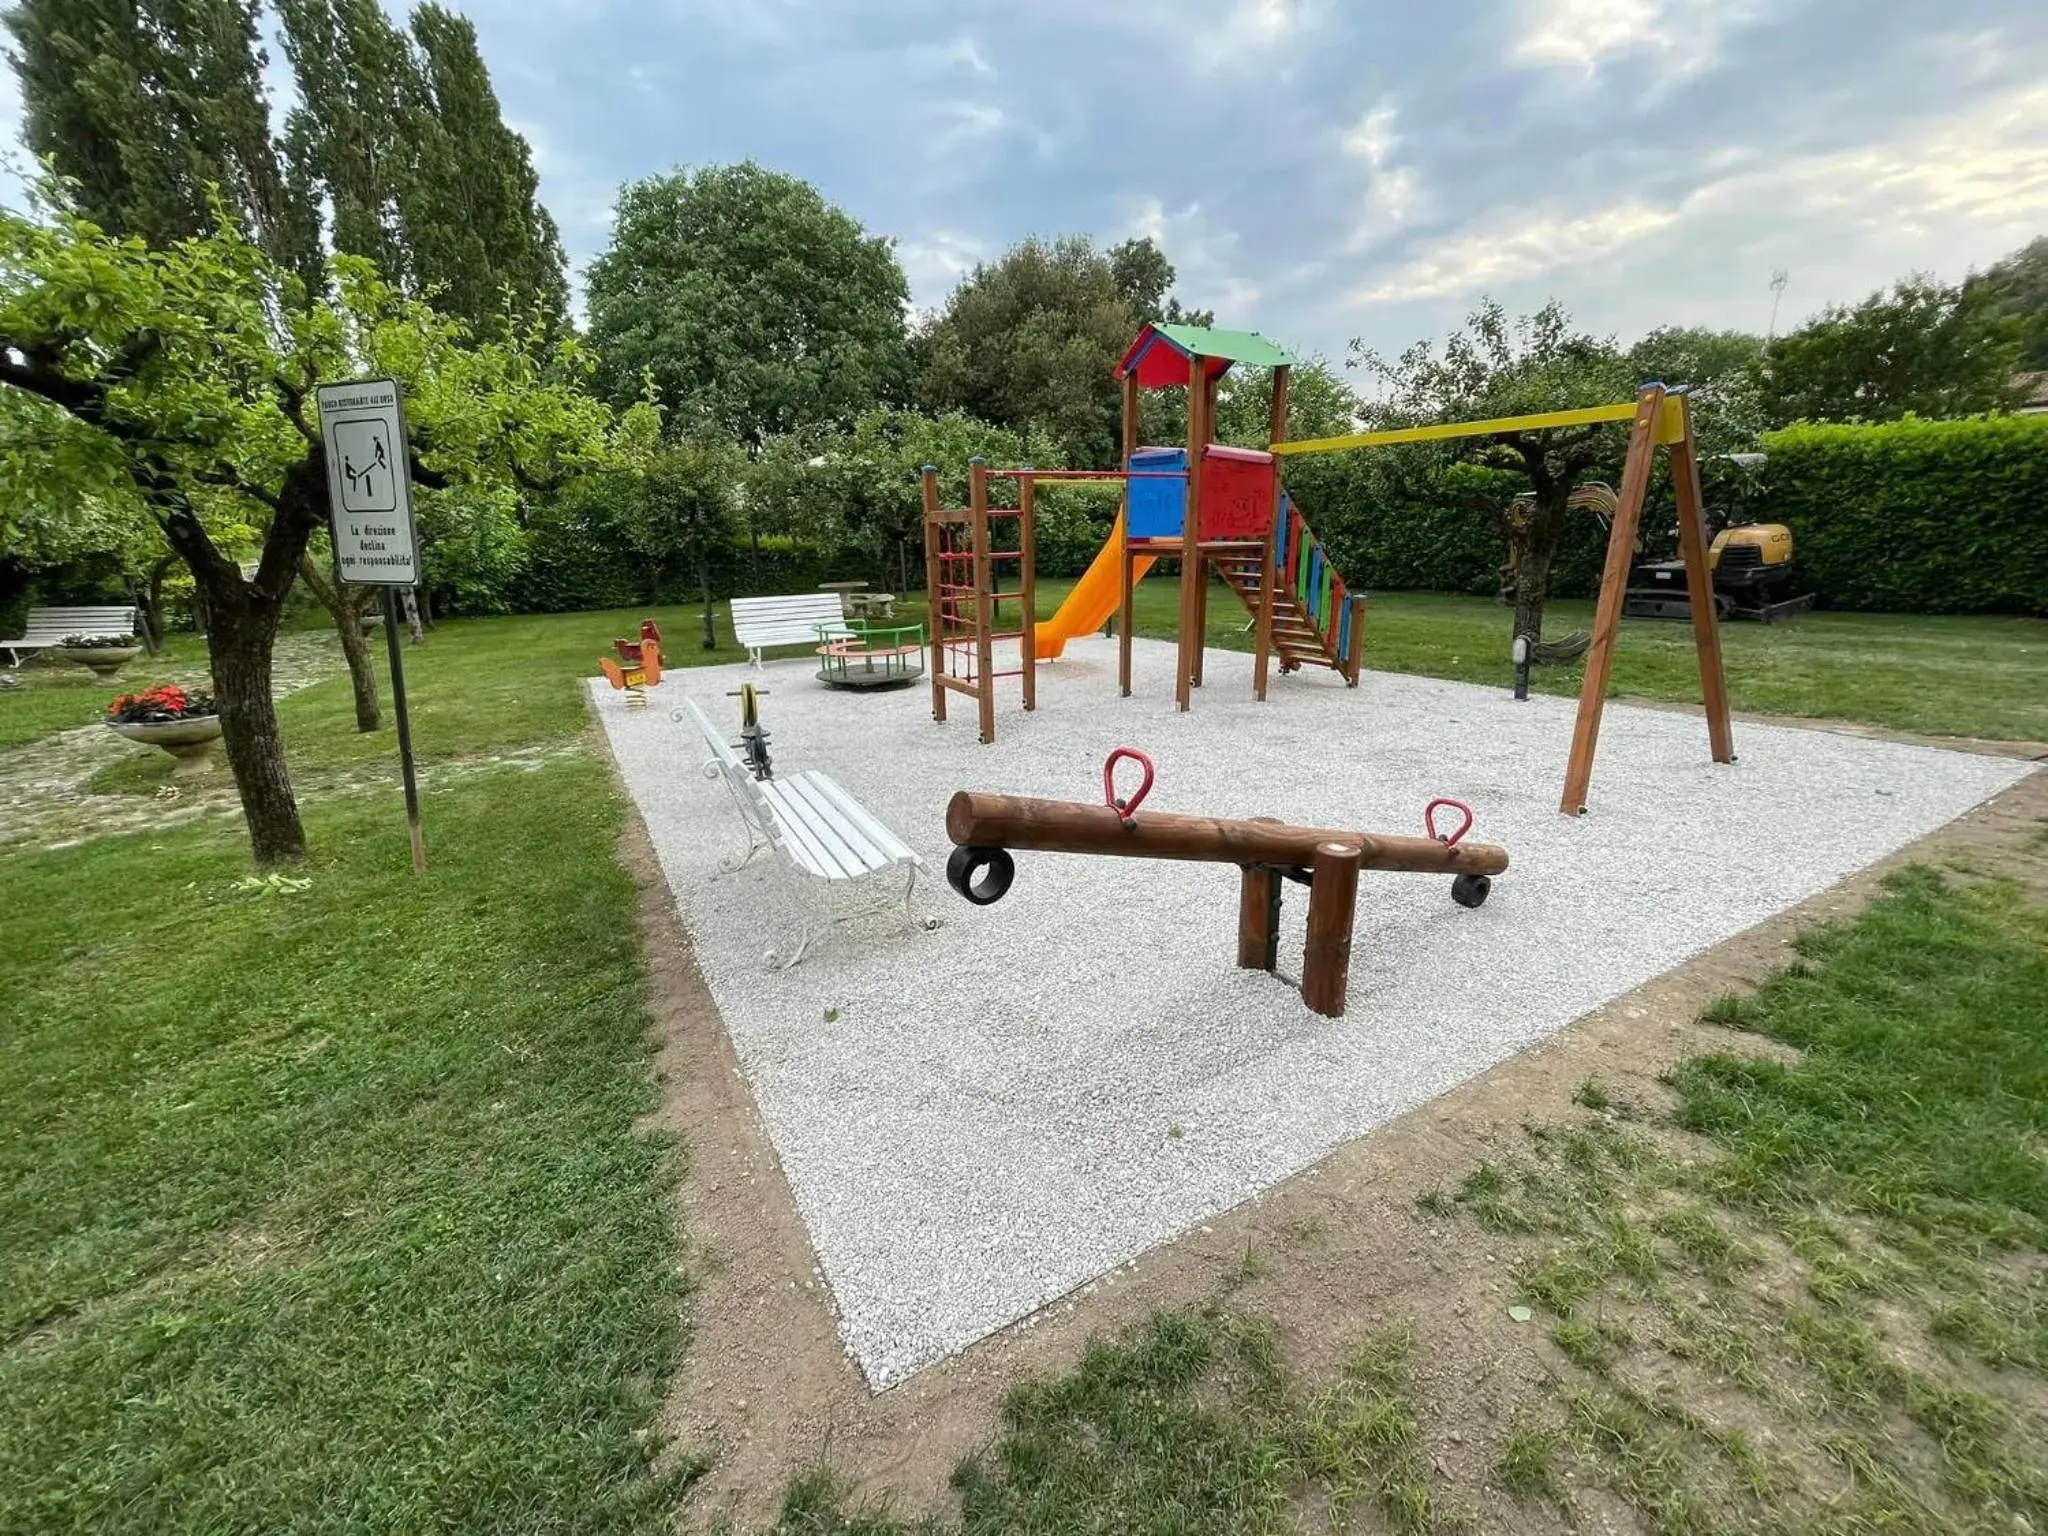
149, 105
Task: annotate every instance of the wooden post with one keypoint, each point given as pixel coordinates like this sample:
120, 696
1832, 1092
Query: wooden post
1027, 563
1355, 660
1190, 545
984, 604
1699, 584
933, 581
1621, 544
1126, 601
1257, 935
1276, 433
1332, 896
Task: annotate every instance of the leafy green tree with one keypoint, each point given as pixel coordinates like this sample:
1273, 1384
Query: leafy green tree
1920, 348
189, 372
479, 240
2016, 289
1031, 341
405, 141
345, 140
862, 489
1319, 404
683, 512
1490, 368
152, 105
1143, 276
752, 305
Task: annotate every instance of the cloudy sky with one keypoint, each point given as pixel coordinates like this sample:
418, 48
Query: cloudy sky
1324, 169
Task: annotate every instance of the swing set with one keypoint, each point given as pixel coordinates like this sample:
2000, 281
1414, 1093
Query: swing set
1657, 417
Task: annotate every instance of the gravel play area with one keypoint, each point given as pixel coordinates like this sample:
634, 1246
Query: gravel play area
980, 1118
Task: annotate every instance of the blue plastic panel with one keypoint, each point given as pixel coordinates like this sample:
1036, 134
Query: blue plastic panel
1158, 507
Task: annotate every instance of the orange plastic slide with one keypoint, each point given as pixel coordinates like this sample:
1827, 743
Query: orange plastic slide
1095, 597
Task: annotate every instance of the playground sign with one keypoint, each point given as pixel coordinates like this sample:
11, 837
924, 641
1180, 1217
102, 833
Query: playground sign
369, 495
369, 491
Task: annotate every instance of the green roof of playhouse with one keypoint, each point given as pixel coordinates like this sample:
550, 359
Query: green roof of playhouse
1161, 353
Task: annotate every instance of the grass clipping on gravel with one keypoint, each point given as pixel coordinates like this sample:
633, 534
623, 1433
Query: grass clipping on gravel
324, 1208
1836, 1319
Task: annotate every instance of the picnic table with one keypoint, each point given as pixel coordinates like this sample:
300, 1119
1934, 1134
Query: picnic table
845, 589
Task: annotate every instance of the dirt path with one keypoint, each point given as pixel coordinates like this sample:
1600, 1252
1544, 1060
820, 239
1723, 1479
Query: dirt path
766, 1389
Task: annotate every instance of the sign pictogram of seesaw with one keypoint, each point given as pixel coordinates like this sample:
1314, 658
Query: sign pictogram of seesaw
1269, 853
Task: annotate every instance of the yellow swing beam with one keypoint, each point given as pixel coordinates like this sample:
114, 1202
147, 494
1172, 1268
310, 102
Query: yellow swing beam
1670, 428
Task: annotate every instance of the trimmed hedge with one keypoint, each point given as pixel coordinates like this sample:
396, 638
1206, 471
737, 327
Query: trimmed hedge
1402, 546
1918, 516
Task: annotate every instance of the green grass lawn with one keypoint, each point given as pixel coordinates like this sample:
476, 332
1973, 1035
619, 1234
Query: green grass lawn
324, 1208
483, 685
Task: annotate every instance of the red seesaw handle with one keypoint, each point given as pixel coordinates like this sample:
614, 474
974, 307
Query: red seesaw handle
1429, 820
1122, 807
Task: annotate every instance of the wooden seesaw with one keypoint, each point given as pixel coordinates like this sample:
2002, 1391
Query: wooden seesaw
984, 828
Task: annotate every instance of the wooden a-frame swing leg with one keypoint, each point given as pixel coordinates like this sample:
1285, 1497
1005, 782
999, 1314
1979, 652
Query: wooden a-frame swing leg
1699, 586
1621, 543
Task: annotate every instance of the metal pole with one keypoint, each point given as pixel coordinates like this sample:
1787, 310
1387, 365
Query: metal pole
412, 789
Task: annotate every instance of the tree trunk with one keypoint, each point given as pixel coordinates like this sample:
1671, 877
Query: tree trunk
241, 637
754, 544
344, 605
412, 615
1536, 546
704, 588
153, 599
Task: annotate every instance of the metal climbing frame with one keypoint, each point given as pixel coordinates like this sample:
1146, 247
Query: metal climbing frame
967, 599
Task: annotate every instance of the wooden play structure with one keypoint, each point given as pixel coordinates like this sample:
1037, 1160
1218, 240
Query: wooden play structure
1657, 417
972, 585
1225, 511
984, 828
1228, 516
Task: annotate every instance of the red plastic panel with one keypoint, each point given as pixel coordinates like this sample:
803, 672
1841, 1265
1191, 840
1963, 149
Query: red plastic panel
1238, 486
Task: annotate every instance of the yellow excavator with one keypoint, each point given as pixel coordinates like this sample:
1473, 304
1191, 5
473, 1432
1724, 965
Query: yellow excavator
1751, 562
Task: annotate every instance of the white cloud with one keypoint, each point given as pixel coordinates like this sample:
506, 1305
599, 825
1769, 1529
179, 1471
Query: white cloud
1943, 194
1206, 259
1523, 244
935, 261
1252, 30
1581, 37
1393, 195
1372, 139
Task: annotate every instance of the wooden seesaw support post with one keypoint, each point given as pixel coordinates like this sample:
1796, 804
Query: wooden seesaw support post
984, 828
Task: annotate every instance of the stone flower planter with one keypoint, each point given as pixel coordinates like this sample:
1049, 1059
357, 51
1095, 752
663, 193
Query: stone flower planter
105, 660
189, 740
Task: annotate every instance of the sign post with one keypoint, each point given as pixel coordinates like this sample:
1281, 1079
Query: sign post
369, 494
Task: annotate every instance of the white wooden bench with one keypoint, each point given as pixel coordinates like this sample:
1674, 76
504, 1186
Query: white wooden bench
819, 829
801, 618
47, 628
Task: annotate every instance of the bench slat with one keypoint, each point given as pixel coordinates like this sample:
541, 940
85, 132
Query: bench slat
807, 849
887, 843
849, 843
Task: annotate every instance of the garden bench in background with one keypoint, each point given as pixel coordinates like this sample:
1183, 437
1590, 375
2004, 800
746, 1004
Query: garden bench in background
48, 628
759, 622
810, 820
